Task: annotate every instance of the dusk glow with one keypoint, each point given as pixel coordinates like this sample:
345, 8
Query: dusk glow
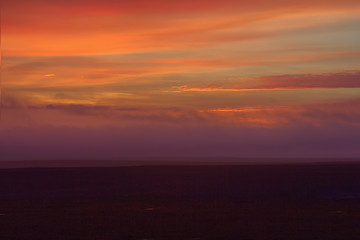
91, 79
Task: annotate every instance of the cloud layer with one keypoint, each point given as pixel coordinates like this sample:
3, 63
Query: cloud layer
108, 79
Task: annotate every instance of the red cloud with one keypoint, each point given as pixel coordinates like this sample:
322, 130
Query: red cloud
288, 82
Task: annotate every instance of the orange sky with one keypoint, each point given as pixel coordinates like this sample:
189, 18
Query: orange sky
139, 50
259, 64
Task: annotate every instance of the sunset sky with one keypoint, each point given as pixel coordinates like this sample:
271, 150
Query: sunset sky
110, 79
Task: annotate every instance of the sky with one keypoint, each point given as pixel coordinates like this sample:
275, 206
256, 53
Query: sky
109, 79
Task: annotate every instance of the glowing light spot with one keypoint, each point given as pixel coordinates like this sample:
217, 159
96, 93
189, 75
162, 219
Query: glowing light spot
149, 209
50, 75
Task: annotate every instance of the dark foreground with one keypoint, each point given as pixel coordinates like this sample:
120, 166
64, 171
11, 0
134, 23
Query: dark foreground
182, 202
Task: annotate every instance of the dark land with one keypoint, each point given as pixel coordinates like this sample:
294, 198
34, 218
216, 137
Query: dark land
297, 201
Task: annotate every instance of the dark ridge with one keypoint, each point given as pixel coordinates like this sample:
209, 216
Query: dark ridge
257, 202
173, 162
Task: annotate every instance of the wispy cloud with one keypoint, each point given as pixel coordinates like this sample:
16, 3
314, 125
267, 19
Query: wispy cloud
286, 82
179, 75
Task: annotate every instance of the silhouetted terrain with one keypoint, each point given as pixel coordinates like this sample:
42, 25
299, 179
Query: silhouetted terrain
310, 201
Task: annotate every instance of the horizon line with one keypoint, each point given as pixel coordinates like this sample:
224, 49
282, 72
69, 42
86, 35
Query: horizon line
197, 161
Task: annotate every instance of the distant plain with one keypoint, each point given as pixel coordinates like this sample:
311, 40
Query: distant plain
280, 201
